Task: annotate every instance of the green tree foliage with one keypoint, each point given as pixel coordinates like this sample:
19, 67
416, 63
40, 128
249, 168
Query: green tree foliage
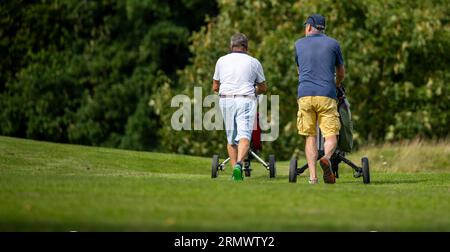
41, 102
84, 71
104, 72
396, 53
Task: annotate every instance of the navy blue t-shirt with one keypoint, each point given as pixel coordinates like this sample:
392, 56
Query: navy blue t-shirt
317, 57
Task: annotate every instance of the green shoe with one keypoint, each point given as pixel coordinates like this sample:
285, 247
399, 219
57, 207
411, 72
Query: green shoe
237, 173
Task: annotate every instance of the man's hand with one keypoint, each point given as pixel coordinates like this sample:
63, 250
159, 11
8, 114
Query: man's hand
215, 86
261, 88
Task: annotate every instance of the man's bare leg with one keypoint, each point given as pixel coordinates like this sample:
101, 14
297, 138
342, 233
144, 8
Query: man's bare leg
243, 147
330, 146
311, 156
232, 153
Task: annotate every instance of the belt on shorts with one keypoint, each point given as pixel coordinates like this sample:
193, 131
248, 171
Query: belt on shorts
236, 96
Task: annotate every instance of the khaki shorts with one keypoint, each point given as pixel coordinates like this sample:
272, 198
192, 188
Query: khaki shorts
313, 109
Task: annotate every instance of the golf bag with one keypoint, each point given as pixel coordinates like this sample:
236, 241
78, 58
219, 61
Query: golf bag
345, 140
255, 144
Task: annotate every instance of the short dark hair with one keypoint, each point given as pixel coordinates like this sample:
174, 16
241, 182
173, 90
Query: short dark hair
239, 40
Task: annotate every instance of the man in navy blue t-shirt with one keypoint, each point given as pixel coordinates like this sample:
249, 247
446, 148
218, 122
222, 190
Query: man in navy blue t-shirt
320, 66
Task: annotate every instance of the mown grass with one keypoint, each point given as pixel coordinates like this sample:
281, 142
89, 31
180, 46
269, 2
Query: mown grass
57, 187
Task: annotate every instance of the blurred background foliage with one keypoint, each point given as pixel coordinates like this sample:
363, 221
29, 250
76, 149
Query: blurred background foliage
84, 71
104, 72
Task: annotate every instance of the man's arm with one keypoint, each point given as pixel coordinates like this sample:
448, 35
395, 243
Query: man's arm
215, 85
260, 81
261, 88
340, 69
216, 77
340, 75
296, 60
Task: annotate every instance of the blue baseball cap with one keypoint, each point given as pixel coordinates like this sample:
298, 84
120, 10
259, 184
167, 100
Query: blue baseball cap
317, 21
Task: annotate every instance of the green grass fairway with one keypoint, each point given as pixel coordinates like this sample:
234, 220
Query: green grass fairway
57, 187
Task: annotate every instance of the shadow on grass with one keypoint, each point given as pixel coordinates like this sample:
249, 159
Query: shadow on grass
386, 182
304, 179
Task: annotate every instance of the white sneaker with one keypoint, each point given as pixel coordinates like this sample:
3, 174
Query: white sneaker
313, 181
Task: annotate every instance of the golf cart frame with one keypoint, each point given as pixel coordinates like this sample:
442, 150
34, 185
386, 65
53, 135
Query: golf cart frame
270, 165
337, 157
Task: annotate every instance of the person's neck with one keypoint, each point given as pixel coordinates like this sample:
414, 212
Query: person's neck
312, 33
238, 50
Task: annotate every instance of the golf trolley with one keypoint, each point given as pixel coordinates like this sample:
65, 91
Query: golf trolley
338, 155
255, 148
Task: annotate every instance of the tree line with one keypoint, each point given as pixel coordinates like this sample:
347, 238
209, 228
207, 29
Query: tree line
104, 72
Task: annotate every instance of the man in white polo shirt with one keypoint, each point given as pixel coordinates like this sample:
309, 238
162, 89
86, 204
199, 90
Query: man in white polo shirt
238, 78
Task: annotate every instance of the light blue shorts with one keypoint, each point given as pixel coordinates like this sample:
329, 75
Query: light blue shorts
239, 116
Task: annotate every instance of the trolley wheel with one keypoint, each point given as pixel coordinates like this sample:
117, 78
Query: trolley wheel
215, 166
247, 169
272, 168
247, 172
365, 170
293, 171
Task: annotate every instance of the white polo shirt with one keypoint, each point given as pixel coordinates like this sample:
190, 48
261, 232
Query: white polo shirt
237, 73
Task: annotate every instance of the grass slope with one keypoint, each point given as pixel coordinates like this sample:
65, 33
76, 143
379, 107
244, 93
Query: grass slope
56, 187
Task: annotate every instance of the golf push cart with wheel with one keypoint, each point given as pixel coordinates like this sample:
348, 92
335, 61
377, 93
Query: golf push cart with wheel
345, 144
255, 148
